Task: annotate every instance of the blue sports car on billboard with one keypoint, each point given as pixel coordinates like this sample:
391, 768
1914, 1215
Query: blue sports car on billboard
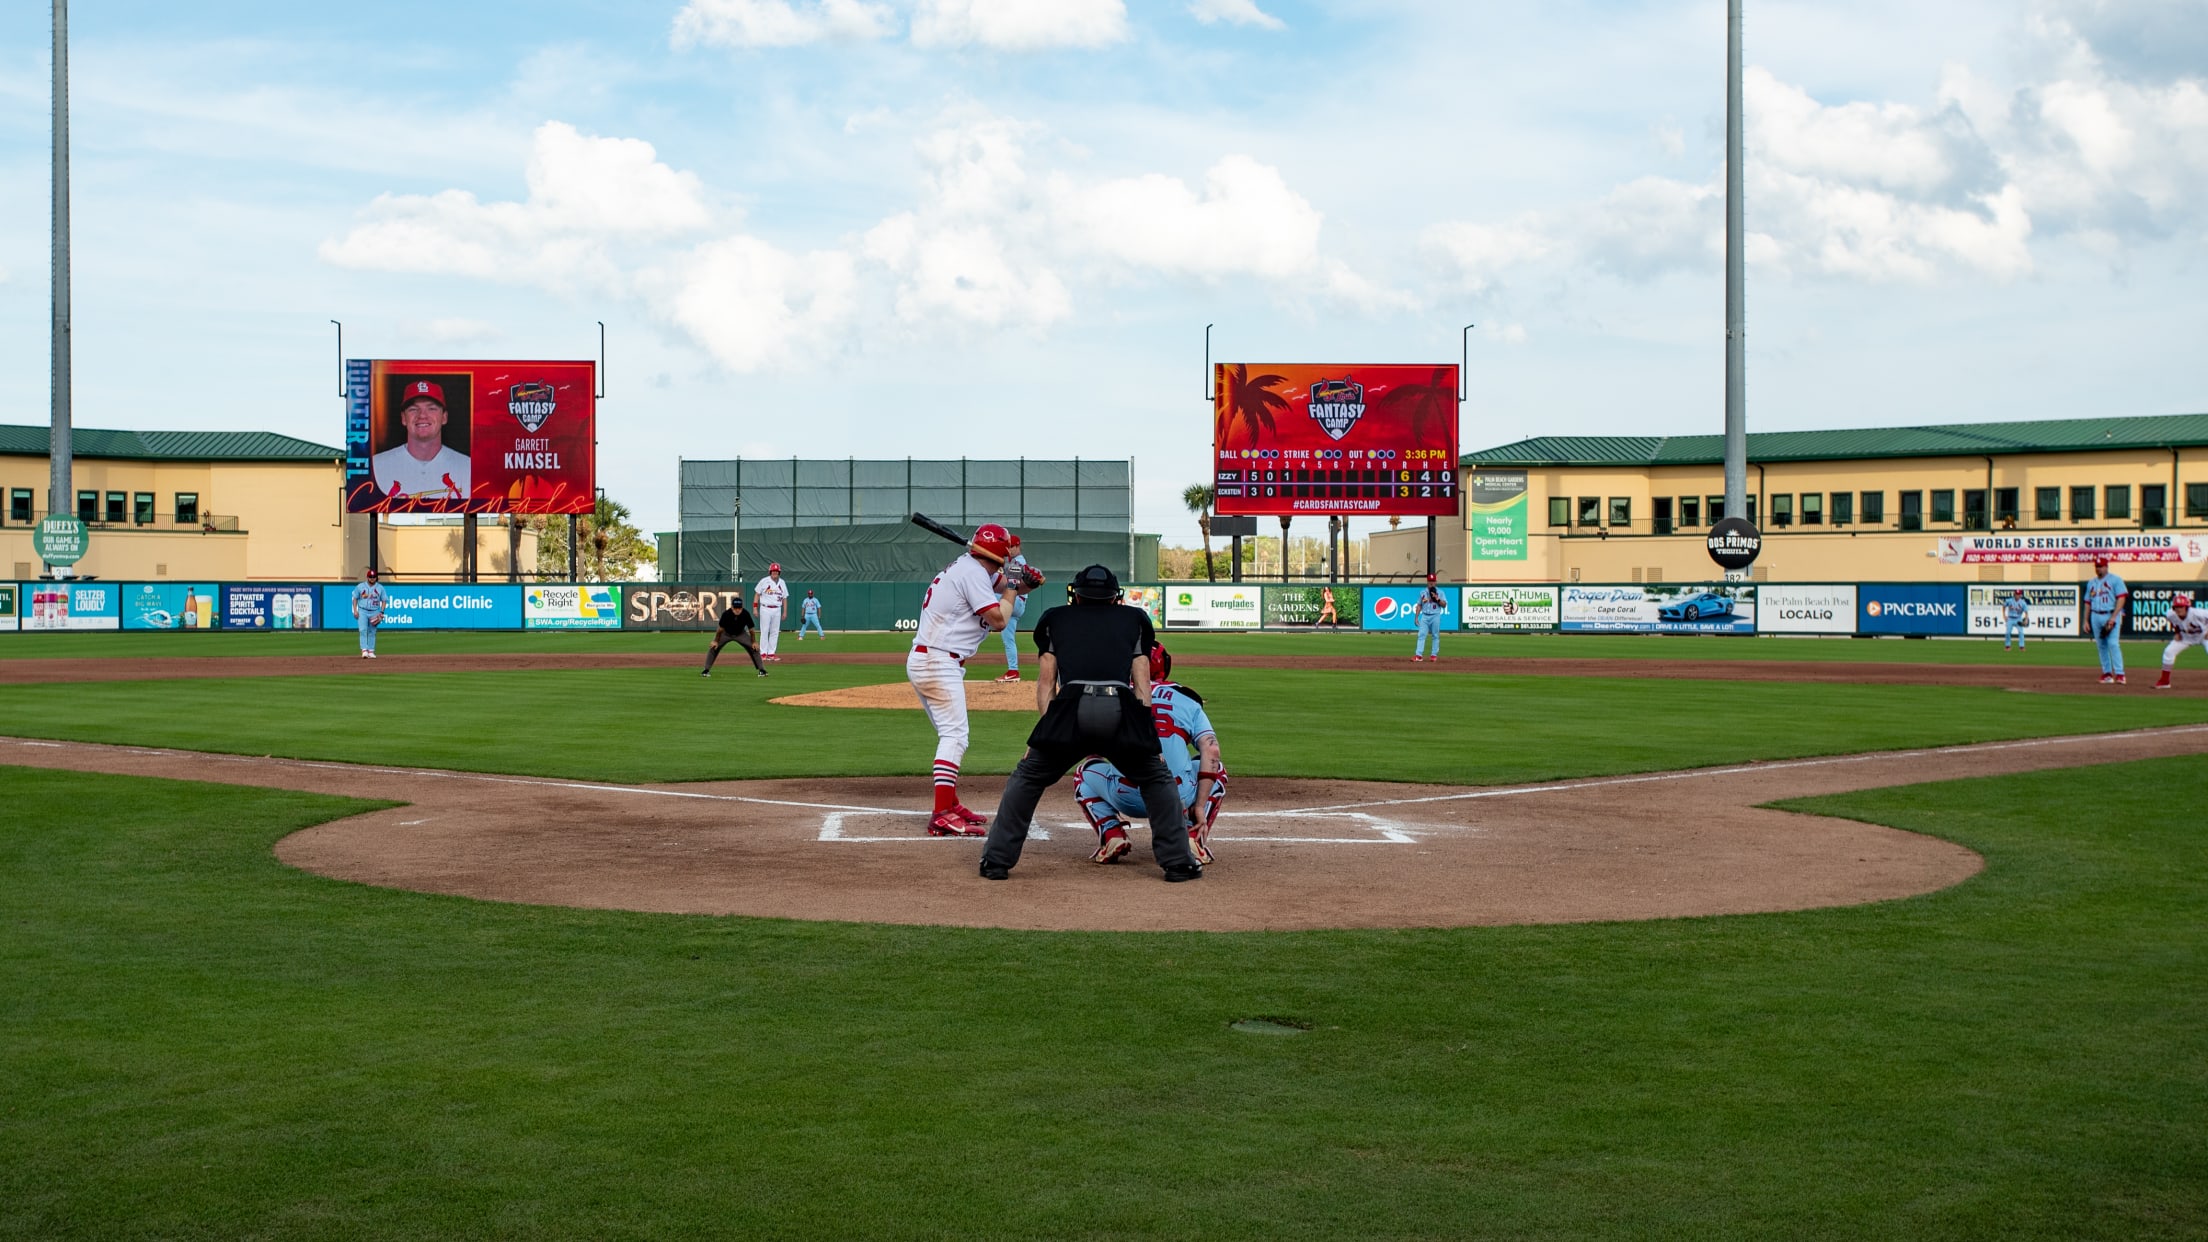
1700, 606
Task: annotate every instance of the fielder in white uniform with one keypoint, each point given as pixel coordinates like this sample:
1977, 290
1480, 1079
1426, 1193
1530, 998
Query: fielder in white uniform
971, 599
2188, 628
767, 599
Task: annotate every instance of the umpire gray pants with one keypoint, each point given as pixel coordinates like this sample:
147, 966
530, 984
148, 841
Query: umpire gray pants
1041, 767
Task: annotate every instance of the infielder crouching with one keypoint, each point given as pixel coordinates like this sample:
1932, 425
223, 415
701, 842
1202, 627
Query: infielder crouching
971, 599
1191, 747
2188, 628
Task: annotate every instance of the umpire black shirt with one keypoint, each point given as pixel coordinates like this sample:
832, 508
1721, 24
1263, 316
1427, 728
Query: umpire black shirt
736, 620
1094, 642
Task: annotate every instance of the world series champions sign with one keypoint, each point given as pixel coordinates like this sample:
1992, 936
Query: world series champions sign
470, 436
1296, 438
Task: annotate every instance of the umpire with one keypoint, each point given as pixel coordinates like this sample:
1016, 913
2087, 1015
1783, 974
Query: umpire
1094, 694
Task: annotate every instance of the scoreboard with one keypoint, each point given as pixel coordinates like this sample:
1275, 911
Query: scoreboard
1373, 441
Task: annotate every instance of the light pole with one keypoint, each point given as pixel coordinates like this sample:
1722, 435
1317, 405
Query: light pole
60, 497
1736, 325
736, 538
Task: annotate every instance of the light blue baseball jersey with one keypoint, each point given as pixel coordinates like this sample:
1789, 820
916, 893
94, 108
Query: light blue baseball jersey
2016, 607
1432, 603
2101, 594
812, 607
368, 598
1180, 720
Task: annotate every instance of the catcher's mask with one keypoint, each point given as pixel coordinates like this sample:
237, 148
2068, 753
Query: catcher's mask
1161, 663
1095, 585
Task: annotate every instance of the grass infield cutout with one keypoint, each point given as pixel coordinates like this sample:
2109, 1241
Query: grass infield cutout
1269, 1026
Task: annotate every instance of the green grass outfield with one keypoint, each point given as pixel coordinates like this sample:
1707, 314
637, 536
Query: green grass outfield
397, 644
197, 1042
1411, 724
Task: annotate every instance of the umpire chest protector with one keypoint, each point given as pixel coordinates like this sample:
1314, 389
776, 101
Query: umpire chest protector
1096, 708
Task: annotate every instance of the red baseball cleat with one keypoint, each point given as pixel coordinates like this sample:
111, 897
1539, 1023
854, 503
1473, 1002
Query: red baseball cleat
961, 813
2163, 684
1112, 846
945, 824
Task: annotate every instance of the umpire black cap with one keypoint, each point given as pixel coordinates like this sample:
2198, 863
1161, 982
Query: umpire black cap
1096, 584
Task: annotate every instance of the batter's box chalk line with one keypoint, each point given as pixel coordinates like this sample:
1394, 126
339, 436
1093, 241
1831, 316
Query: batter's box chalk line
1378, 831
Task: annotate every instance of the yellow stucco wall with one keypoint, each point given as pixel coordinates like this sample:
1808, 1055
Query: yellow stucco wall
1859, 551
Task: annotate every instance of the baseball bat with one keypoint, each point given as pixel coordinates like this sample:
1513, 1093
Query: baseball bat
933, 527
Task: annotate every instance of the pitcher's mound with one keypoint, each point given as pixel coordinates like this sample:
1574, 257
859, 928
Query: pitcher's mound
981, 696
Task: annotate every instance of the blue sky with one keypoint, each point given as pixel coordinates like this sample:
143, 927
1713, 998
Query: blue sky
998, 227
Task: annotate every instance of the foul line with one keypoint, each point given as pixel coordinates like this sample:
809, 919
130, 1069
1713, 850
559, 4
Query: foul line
1780, 766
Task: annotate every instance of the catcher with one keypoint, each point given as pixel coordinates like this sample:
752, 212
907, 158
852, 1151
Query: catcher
735, 626
1191, 747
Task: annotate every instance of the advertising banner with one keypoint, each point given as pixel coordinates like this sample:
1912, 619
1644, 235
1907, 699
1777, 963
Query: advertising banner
171, 605
470, 436
8, 598
1294, 438
2144, 547
1509, 608
2049, 612
1323, 605
284, 607
567, 607
73, 606
1496, 516
1798, 608
2146, 616
429, 606
1213, 607
1148, 598
1910, 608
1396, 608
1685, 609
679, 606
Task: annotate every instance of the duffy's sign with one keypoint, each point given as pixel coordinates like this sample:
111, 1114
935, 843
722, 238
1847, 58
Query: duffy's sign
2146, 547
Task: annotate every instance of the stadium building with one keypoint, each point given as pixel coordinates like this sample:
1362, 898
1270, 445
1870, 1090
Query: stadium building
1893, 503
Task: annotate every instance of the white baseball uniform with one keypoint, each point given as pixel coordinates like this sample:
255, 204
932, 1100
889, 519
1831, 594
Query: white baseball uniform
951, 630
767, 599
2190, 631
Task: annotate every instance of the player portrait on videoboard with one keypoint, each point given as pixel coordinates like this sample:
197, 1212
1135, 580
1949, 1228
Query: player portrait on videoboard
421, 449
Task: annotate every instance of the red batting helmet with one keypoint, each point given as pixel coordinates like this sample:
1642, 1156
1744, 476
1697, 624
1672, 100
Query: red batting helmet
992, 541
2181, 600
419, 389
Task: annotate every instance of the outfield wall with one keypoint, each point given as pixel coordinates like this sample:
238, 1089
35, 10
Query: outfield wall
1904, 609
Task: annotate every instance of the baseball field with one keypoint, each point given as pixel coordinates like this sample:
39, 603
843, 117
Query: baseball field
544, 935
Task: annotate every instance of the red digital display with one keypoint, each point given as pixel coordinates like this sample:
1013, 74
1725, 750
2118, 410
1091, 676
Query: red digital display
1374, 441
470, 436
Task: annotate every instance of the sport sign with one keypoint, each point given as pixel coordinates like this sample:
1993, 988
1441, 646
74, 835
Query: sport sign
1296, 438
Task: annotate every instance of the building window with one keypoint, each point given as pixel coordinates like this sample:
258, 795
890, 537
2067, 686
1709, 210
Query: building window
1912, 509
117, 508
1843, 508
1590, 511
2007, 501
88, 506
1560, 510
2081, 504
1662, 516
2154, 505
1716, 509
2196, 500
2047, 504
1690, 511
187, 508
141, 508
1754, 514
1782, 510
1874, 508
1813, 509
1621, 511
1943, 505
2117, 502
1974, 508
19, 506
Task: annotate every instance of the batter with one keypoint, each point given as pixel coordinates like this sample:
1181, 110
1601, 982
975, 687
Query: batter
971, 599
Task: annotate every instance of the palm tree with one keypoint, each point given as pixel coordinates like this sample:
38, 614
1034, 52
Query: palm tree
1199, 497
1418, 403
1250, 401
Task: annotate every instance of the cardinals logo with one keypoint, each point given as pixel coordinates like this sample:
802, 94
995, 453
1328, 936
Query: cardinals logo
1336, 405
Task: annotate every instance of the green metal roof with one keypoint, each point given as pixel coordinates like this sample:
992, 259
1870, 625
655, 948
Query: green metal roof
19, 441
2060, 435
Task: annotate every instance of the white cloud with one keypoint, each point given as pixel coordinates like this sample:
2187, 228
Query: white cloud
754, 306
583, 193
780, 23
1245, 222
1019, 25
459, 331
1478, 254
1234, 13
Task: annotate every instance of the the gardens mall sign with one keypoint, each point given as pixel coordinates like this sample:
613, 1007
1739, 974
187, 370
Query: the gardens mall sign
2146, 547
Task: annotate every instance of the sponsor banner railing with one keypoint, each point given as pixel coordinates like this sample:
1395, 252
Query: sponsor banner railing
2050, 611
2148, 614
562, 606
430, 606
1396, 608
677, 606
1795, 608
1911, 609
1508, 607
2142, 548
1682, 609
73, 606
1214, 607
9, 612
260, 606
1300, 607
171, 605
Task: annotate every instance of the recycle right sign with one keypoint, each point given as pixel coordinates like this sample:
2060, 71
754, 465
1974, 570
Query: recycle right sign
60, 540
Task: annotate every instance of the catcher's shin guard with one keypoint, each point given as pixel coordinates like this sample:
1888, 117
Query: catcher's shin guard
1206, 815
1111, 830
